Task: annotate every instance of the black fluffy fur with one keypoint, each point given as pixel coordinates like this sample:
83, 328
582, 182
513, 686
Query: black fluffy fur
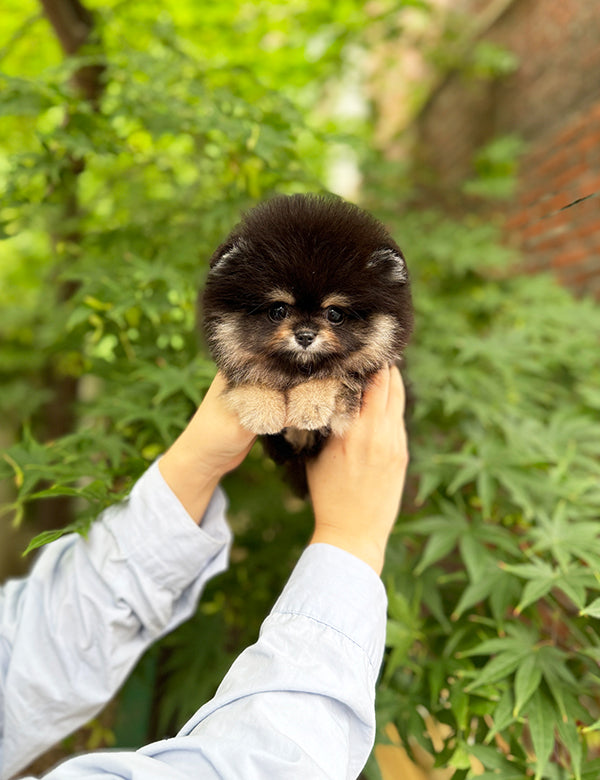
311, 247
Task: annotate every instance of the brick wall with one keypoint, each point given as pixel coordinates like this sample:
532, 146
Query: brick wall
553, 103
562, 167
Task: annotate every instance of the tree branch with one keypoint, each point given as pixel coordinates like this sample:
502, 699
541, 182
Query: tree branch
74, 26
72, 23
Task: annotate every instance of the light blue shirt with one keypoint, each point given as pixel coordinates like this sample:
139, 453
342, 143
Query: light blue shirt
299, 703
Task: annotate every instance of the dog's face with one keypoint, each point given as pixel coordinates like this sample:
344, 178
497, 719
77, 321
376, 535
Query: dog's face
306, 286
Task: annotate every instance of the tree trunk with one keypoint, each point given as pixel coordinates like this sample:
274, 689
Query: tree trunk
73, 25
74, 28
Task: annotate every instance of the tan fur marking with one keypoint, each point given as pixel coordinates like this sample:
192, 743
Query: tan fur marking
312, 404
300, 440
281, 337
337, 299
278, 295
377, 352
260, 409
226, 330
230, 346
347, 407
340, 423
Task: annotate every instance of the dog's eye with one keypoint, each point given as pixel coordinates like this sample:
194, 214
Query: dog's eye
334, 315
278, 312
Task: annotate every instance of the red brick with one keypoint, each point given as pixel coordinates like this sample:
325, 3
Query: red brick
587, 229
581, 279
590, 184
518, 220
568, 135
556, 162
552, 243
554, 202
595, 111
570, 175
536, 229
570, 258
589, 141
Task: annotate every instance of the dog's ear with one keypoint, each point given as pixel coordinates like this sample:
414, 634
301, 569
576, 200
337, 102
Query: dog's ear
225, 253
391, 261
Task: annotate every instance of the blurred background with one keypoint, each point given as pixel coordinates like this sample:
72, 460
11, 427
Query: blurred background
132, 136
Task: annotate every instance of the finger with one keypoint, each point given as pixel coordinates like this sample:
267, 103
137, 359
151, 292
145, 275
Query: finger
218, 384
216, 392
397, 394
375, 399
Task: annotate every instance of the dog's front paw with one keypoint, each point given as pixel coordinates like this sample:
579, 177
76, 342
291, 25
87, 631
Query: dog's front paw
260, 409
311, 404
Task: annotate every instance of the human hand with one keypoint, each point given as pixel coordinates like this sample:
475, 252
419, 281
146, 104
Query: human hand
212, 444
356, 482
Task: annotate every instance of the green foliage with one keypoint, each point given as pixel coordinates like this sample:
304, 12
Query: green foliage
169, 160
107, 219
488, 60
493, 575
460, 49
495, 167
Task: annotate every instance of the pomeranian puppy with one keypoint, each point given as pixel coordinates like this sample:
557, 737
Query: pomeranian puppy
307, 298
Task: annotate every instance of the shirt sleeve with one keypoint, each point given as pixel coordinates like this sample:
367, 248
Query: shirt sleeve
73, 629
297, 704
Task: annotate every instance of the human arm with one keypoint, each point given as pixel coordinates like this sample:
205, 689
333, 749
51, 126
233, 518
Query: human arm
297, 704
74, 628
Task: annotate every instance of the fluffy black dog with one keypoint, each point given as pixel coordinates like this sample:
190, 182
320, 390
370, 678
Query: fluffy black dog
306, 299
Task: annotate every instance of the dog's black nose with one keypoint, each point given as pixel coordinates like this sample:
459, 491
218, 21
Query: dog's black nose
305, 337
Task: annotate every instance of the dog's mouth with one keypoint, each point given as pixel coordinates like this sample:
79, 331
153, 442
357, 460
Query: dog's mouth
306, 347
304, 356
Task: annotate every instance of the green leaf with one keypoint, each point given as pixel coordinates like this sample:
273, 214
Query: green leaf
491, 758
439, 545
527, 681
592, 609
398, 636
535, 590
542, 721
475, 557
509, 774
517, 641
460, 757
477, 591
498, 668
502, 597
503, 715
569, 736
591, 770
459, 701
46, 537
486, 490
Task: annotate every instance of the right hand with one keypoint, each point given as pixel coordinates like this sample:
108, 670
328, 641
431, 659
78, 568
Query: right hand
356, 482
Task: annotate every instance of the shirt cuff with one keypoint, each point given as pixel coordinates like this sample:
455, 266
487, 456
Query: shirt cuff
338, 589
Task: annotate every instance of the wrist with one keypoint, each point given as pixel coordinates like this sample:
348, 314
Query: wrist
367, 548
189, 479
